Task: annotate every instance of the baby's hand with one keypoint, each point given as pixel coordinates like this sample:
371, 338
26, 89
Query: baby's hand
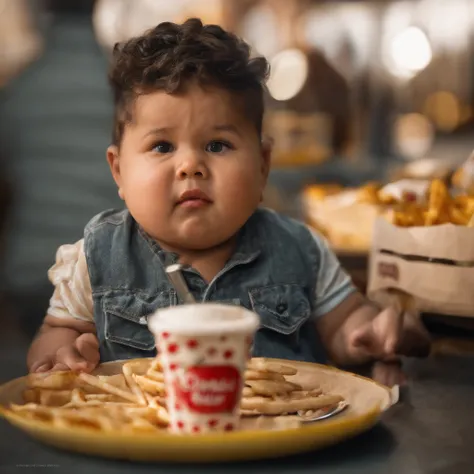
388, 373
380, 337
82, 355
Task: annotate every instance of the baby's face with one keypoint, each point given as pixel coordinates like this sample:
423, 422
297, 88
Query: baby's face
190, 168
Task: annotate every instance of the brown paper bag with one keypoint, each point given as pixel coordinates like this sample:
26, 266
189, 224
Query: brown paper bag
433, 264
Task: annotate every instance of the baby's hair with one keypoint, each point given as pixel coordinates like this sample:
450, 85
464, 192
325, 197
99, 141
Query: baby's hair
170, 56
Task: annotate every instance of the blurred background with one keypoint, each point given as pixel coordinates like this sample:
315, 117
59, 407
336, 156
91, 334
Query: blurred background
360, 91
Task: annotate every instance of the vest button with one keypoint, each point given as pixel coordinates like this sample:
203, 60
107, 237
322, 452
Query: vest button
282, 307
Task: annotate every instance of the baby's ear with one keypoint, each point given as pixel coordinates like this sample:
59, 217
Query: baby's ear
114, 163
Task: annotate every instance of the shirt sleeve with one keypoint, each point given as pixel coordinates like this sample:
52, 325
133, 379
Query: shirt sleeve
333, 284
72, 297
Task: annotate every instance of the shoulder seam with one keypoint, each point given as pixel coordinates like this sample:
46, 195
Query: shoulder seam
106, 220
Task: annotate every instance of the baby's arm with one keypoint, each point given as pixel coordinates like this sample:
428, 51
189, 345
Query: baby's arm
336, 327
64, 344
357, 333
354, 330
67, 338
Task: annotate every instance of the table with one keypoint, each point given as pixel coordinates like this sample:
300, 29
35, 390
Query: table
431, 431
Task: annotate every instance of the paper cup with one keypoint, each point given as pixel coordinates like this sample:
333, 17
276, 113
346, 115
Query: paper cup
203, 350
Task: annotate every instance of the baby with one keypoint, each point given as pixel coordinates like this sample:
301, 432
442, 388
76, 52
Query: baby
191, 165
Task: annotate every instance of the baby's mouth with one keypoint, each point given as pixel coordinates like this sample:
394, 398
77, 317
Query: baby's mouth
194, 203
193, 199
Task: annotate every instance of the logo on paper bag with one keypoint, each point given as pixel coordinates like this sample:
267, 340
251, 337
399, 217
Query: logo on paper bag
388, 270
209, 389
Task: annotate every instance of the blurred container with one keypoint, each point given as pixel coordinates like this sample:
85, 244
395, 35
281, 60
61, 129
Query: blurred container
299, 139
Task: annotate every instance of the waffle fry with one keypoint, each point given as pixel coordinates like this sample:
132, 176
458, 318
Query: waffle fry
263, 395
271, 388
262, 375
280, 406
266, 365
52, 380
134, 401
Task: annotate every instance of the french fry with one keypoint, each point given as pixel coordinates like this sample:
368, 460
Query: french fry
438, 201
440, 208
156, 376
117, 380
127, 369
458, 217
148, 385
106, 387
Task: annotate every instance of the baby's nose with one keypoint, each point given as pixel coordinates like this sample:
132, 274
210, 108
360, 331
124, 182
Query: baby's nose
183, 173
192, 166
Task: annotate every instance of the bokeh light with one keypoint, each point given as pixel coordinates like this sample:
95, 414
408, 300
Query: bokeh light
289, 72
409, 53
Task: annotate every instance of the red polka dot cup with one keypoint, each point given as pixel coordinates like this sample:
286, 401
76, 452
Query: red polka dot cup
203, 349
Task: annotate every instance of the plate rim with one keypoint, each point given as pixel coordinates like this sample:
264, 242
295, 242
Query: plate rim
9, 414
200, 445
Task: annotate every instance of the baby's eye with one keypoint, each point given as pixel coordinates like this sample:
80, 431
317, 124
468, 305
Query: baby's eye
217, 146
163, 147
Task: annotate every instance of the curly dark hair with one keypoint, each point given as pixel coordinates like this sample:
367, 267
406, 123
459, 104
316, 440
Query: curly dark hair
170, 56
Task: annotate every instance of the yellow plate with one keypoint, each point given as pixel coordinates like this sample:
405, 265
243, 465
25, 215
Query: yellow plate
263, 437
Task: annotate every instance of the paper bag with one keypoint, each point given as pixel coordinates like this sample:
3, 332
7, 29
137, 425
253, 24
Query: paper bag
433, 264
348, 224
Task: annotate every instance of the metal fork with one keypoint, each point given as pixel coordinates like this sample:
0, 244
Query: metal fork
308, 417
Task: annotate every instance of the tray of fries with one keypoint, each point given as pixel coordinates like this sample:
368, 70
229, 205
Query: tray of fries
119, 411
426, 250
347, 216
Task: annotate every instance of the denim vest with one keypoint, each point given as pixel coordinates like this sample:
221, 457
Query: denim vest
272, 272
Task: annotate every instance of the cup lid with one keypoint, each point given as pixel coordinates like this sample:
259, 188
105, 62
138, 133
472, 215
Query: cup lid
205, 318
